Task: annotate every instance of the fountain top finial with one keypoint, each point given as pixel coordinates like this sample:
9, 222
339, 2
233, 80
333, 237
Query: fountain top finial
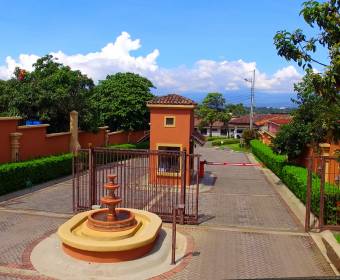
112, 177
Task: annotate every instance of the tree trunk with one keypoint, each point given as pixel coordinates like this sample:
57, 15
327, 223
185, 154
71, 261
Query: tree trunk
210, 130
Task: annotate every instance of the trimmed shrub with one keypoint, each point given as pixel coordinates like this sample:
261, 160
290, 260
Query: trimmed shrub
213, 138
225, 141
268, 157
295, 178
19, 175
143, 145
249, 135
123, 146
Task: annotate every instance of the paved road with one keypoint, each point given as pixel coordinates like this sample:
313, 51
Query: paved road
246, 230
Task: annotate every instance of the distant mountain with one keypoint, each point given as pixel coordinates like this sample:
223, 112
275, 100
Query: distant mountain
262, 99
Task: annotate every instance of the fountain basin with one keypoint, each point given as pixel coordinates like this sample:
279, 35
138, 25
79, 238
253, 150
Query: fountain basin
123, 220
83, 242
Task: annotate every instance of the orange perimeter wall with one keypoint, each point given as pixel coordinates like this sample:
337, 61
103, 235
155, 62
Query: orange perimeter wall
35, 142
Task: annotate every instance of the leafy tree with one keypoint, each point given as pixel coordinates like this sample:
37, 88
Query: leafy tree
298, 47
292, 139
225, 117
213, 109
208, 116
237, 109
214, 101
316, 119
49, 93
248, 135
313, 122
120, 101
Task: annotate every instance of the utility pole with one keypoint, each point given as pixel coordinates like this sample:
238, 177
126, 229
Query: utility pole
252, 95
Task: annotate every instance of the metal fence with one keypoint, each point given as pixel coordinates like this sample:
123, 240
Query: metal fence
323, 194
156, 181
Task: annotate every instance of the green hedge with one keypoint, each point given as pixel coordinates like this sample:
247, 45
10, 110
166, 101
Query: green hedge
212, 138
20, 175
295, 178
143, 145
225, 141
273, 161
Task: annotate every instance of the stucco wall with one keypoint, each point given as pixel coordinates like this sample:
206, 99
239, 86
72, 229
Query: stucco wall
35, 142
179, 134
7, 126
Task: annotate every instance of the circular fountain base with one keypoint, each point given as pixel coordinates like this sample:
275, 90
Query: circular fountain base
108, 257
82, 240
49, 259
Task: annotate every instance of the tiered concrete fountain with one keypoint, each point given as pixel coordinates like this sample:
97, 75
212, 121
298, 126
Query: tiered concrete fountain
110, 234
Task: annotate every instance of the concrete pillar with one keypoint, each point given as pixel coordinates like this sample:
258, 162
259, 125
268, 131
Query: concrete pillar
15, 145
235, 132
74, 143
325, 148
107, 137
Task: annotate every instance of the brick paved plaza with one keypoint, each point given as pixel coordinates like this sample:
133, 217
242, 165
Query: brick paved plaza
246, 229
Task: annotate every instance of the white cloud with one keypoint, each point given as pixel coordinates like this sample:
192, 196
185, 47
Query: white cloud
205, 75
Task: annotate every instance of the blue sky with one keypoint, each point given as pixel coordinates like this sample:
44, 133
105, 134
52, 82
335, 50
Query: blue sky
191, 47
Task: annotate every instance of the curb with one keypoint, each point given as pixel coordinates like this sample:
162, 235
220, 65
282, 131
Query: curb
332, 248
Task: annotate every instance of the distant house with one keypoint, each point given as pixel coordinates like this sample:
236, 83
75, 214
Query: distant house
271, 127
236, 126
218, 128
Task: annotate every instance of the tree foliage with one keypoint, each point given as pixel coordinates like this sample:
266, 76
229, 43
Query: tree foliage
314, 121
48, 93
237, 110
120, 101
212, 109
317, 117
52, 90
214, 101
300, 48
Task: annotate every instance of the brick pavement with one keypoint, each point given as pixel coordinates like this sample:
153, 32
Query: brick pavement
56, 198
247, 230
243, 195
226, 254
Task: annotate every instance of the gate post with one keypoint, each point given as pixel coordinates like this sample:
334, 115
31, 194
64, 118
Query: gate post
308, 194
92, 176
183, 183
322, 192
74, 171
197, 188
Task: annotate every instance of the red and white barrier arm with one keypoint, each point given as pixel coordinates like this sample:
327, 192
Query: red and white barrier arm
232, 163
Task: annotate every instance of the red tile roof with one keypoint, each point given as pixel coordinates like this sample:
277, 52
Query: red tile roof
172, 99
259, 119
272, 117
281, 121
215, 124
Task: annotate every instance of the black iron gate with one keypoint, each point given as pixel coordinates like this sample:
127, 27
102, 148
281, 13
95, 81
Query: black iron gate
156, 181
